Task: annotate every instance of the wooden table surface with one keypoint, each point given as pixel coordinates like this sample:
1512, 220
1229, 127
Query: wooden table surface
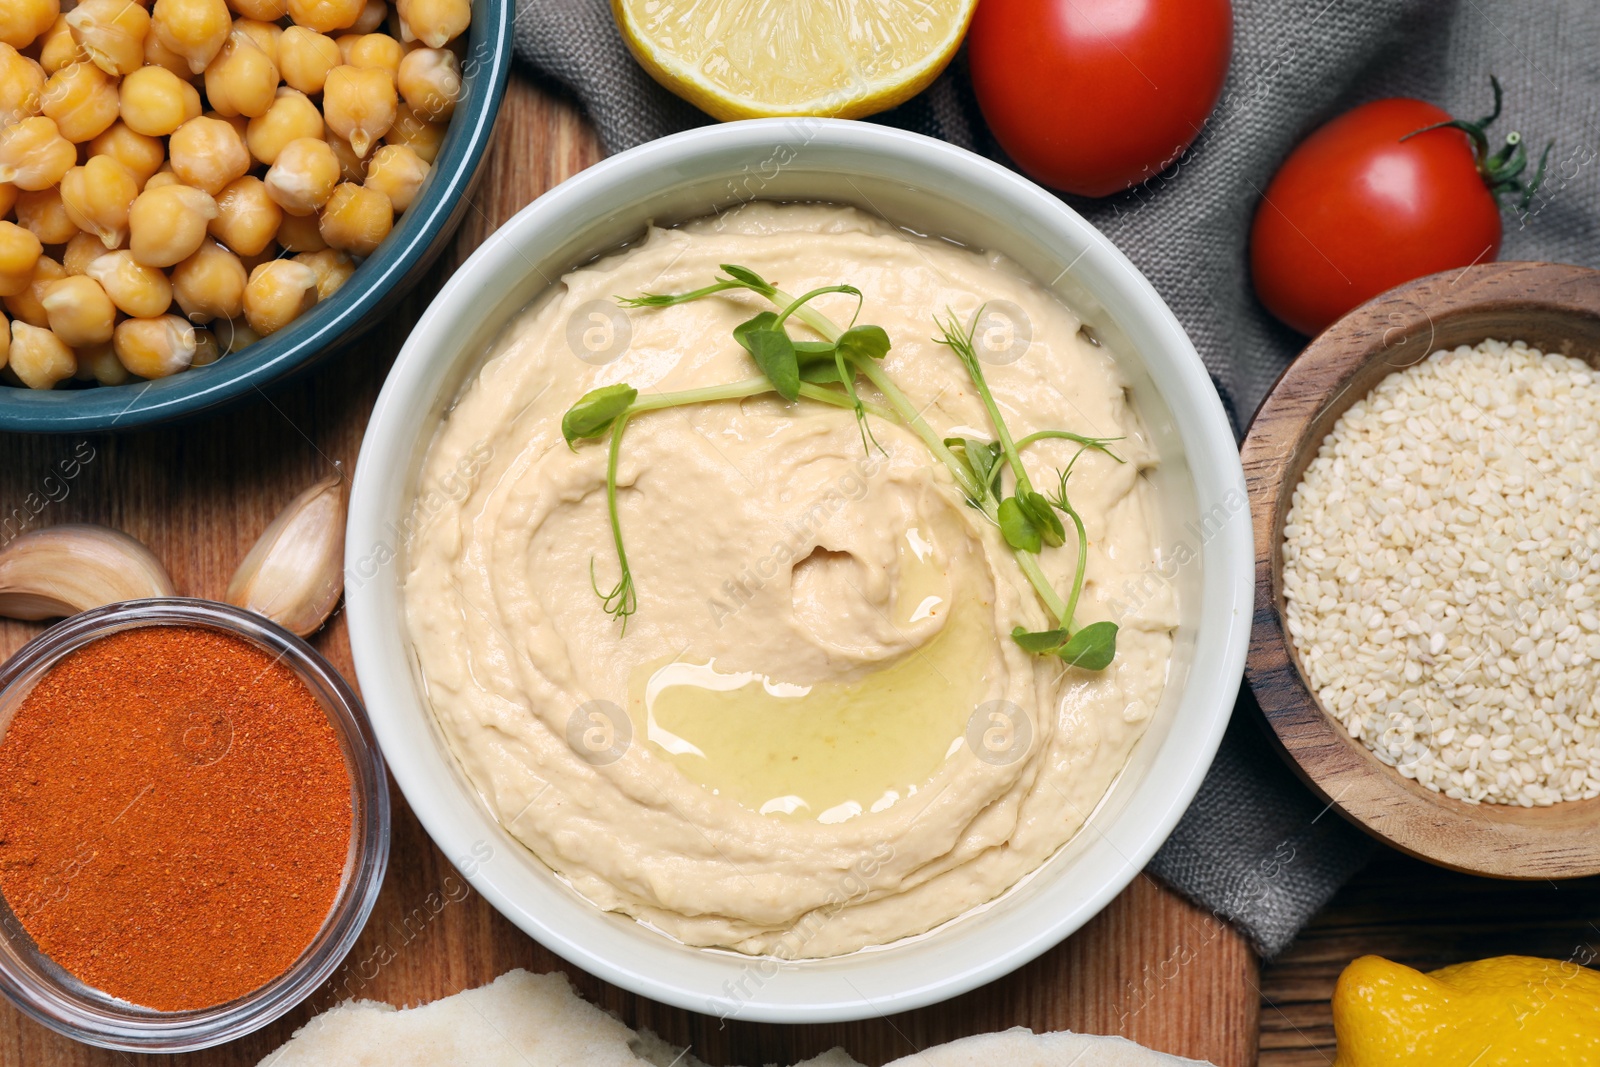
1150, 967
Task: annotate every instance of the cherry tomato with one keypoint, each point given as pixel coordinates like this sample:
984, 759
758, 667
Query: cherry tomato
1092, 96
1355, 210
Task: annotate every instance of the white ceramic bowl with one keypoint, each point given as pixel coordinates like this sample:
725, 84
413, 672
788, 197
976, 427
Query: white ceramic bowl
930, 187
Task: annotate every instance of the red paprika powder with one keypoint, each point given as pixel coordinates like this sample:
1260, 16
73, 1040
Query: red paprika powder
175, 816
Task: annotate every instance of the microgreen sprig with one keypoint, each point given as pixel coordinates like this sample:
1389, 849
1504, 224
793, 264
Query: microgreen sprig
826, 371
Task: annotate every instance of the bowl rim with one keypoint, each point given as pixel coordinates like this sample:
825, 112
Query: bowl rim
146, 1030
419, 235
454, 821
1395, 330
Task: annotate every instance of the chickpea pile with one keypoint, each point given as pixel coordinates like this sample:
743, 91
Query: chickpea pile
179, 179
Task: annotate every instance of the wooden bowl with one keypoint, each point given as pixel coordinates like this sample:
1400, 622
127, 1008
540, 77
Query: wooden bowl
1553, 307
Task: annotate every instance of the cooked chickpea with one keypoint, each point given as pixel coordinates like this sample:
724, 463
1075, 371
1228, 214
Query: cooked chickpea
207, 350
430, 80
166, 225
194, 29
377, 51
82, 99
397, 172
99, 363
242, 80
5, 339
97, 197
240, 123
58, 49
434, 22
234, 335
208, 153
20, 249
291, 117
358, 104
27, 305
261, 10
164, 176
140, 153
352, 168
416, 133
356, 219
136, 289
34, 155
155, 101
22, 21
303, 177
157, 54
82, 250
155, 347
266, 255
277, 294
266, 35
44, 214
300, 233
111, 33
247, 218
80, 312
39, 357
372, 17
325, 15
333, 269
305, 57
210, 284
21, 86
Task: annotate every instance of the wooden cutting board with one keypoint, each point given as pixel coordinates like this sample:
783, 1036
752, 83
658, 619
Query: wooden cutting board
1151, 967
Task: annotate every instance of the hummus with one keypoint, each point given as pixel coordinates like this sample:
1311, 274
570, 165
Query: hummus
816, 733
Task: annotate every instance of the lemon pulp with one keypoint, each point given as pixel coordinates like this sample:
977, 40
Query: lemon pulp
753, 58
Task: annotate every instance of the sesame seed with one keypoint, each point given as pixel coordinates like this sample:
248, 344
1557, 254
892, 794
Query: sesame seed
1442, 574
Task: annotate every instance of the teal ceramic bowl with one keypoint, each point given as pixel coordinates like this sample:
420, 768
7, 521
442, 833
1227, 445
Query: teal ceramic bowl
375, 289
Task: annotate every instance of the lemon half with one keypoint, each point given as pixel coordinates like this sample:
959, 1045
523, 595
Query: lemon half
738, 59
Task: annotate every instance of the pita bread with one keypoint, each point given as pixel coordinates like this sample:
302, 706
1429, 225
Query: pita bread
537, 1020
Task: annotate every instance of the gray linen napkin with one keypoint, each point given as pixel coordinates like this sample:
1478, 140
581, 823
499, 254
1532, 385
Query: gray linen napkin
1256, 847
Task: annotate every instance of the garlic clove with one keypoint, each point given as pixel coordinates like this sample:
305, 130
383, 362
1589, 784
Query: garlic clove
294, 573
62, 570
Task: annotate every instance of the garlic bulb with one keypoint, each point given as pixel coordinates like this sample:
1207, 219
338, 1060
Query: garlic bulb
62, 570
294, 573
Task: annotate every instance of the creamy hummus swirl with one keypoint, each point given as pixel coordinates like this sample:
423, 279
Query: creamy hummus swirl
772, 552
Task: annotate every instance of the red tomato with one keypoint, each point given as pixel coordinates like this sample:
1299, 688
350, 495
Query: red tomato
1092, 96
1354, 211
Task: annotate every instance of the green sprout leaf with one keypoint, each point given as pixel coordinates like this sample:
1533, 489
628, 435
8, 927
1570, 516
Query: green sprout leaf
982, 461
1092, 648
864, 342
1044, 517
820, 373
764, 338
1042, 642
596, 410
749, 279
1017, 526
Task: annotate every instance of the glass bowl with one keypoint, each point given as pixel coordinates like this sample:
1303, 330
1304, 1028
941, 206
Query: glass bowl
48, 994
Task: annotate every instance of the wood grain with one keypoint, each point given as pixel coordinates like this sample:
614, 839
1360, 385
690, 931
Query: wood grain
1150, 967
1550, 306
1422, 916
